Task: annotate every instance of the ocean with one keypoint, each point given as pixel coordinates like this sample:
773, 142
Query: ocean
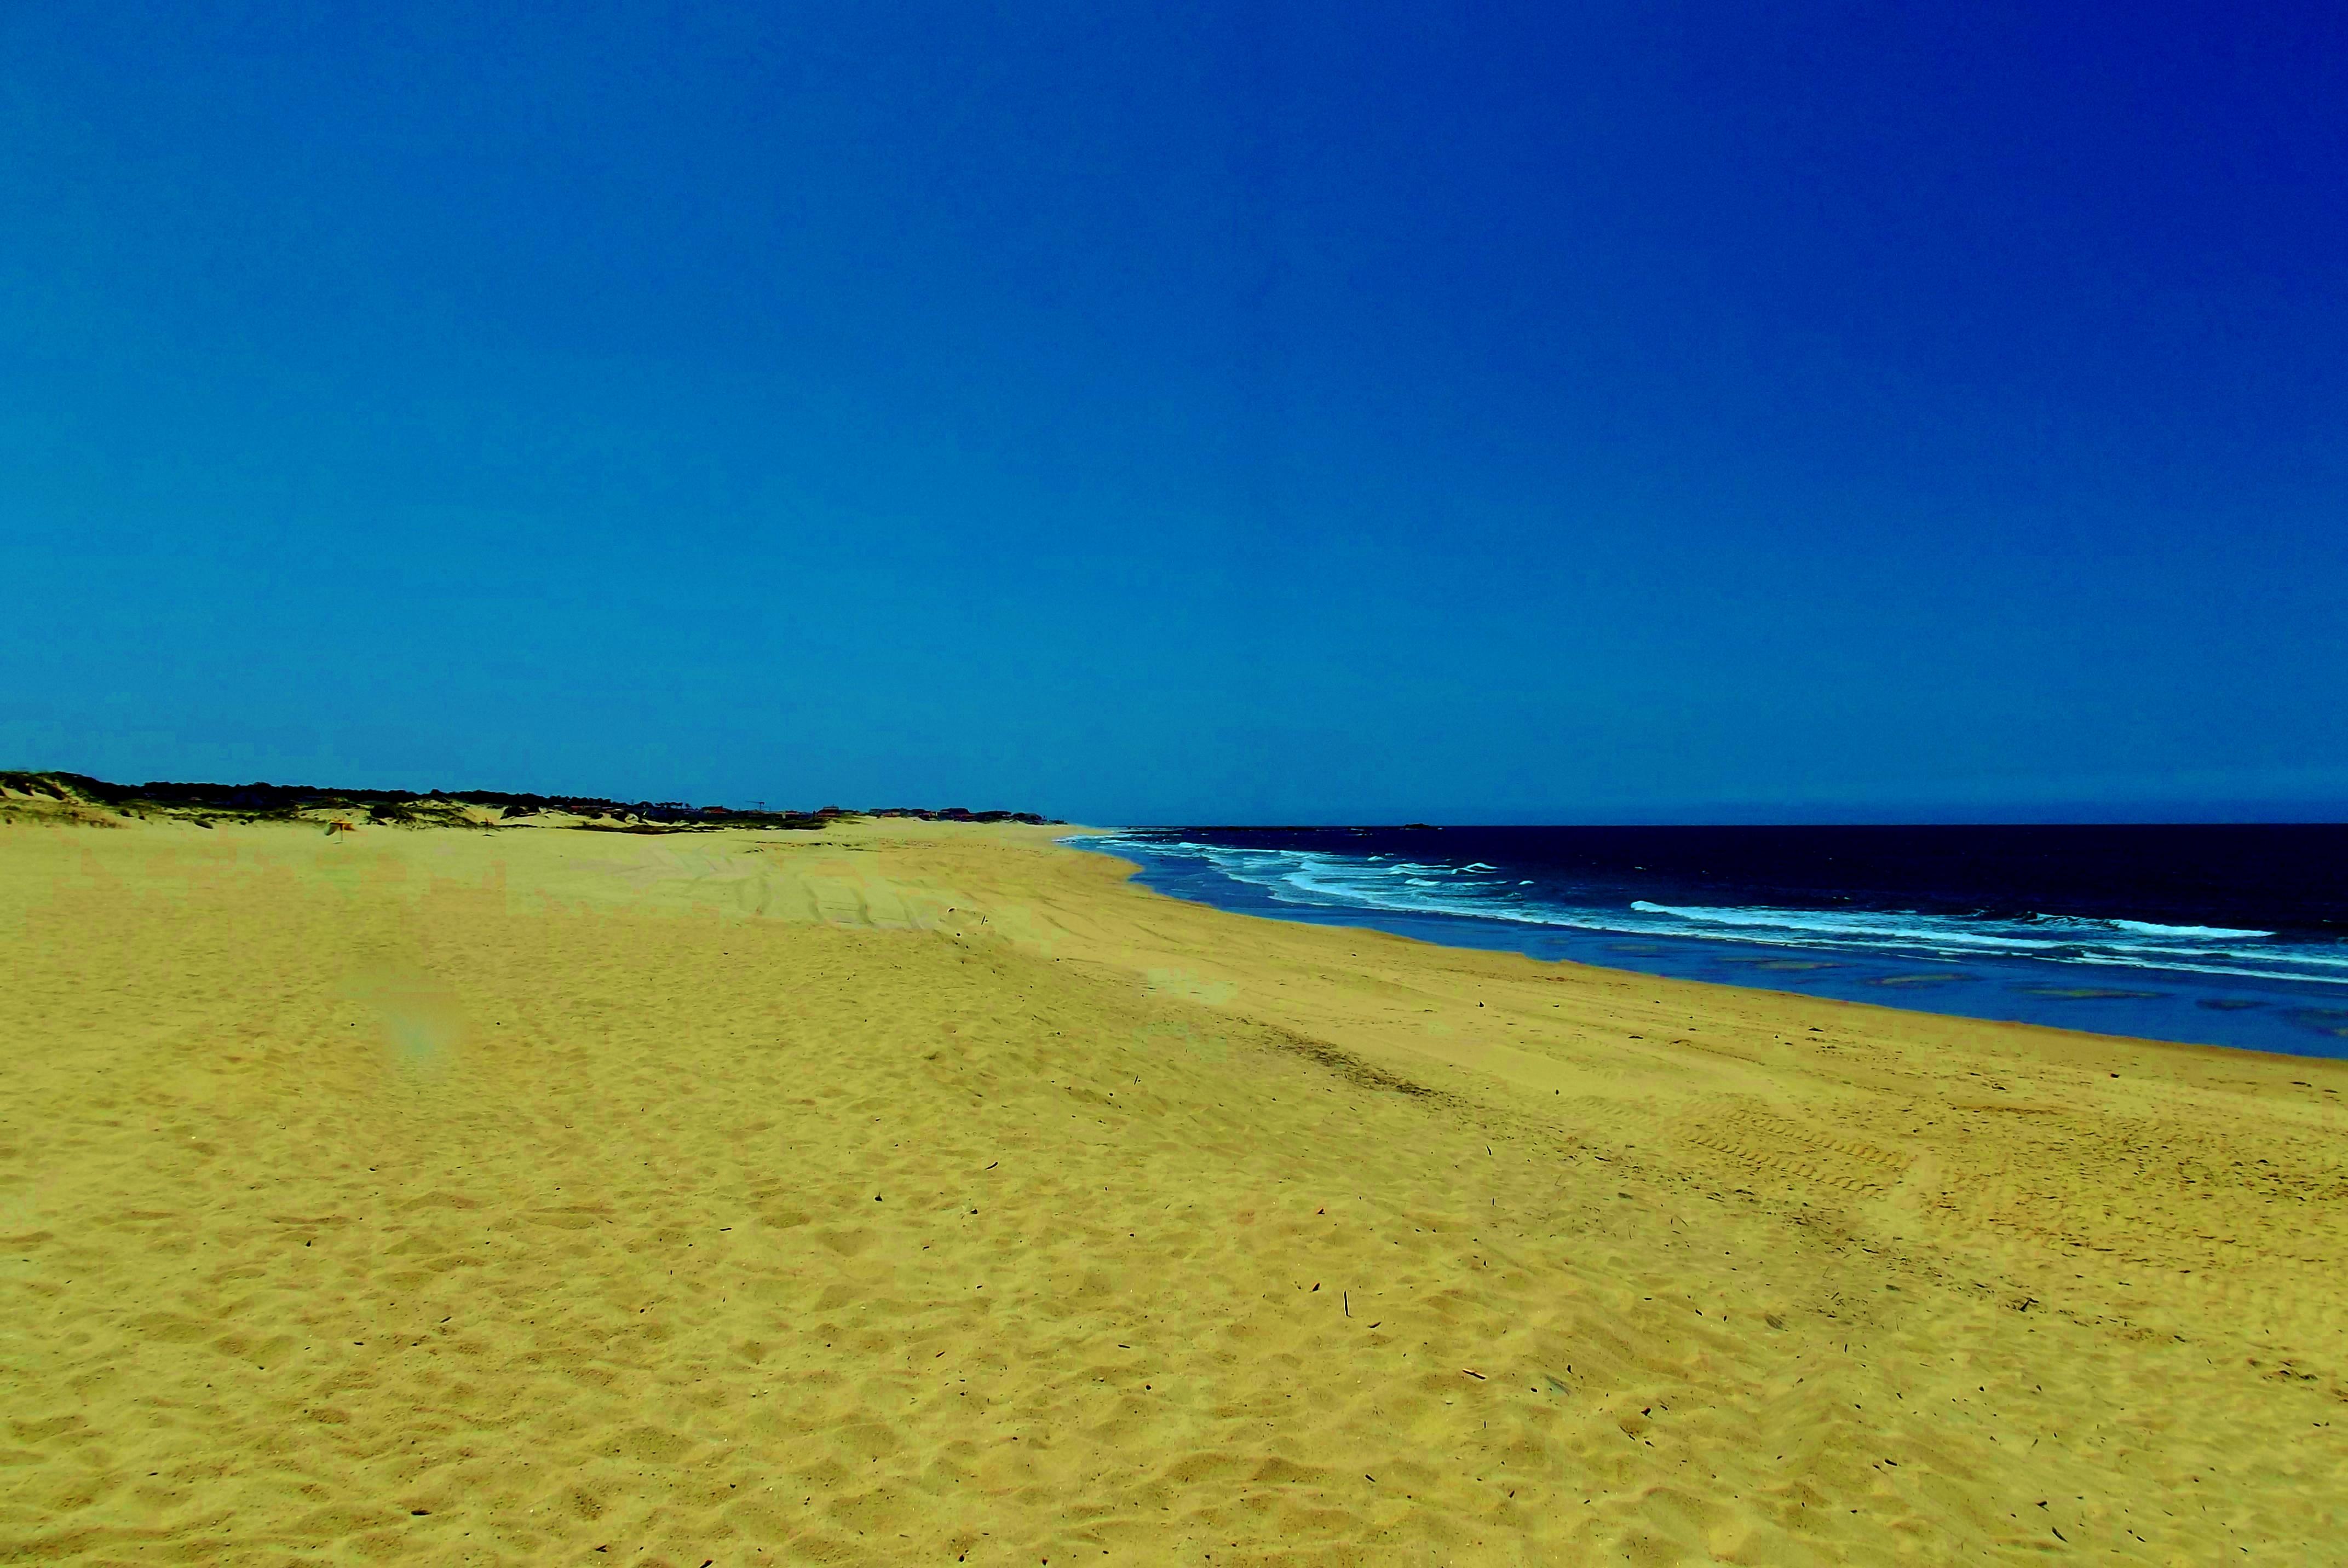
2216, 935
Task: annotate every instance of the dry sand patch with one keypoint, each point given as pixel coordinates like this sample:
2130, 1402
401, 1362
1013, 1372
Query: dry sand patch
433, 1195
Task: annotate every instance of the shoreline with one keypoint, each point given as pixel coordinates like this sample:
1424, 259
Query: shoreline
907, 1188
2275, 1014
1891, 1015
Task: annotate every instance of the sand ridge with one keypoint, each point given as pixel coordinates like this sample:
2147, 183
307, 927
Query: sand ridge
918, 1193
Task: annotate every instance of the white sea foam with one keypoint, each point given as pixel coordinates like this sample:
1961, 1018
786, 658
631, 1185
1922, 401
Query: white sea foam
1334, 882
2147, 929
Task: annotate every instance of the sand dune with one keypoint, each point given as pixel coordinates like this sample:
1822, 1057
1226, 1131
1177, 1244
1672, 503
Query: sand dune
927, 1193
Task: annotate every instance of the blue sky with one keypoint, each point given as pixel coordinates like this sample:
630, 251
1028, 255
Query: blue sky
1230, 414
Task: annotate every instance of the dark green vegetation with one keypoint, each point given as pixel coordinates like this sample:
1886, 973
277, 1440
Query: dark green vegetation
80, 794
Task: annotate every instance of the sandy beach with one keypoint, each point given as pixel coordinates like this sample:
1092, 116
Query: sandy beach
922, 1193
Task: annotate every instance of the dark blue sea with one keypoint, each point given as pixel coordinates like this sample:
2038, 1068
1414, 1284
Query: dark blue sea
2220, 935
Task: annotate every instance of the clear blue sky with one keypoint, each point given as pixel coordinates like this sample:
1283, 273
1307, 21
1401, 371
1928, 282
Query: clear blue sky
1189, 413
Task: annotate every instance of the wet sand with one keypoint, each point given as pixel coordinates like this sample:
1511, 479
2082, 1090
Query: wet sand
926, 1193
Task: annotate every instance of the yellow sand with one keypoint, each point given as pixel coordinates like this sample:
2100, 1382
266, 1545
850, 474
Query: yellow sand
923, 1193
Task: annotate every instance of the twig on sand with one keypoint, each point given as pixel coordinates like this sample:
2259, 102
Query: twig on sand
1471, 1372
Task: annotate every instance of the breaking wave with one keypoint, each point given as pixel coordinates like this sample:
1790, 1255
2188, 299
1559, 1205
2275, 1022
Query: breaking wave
1328, 882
